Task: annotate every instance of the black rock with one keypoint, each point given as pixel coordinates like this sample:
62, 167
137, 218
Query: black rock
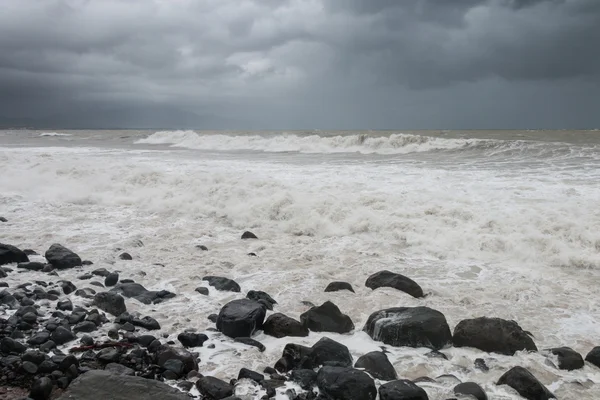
85, 293
76, 317
270, 385
481, 365
259, 296
64, 305
401, 390
189, 339
140, 293
3, 284
568, 359
214, 388
337, 286
85, 277
201, 247
167, 353
593, 357
87, 340
108, 355
62, 258
39, 338
251, 342
2, 219
41, 389
213, 318
110, 302
346, 383
85, 326
62, 335
525, 384
146, 340
34, 356
68, 287
396, 281
305, 378
47, 367
327, 318
66, 362
377, 365
47, 346
223, 284
10, 254
249, 235
125, 256
111, 279
30, 252
30, 318
29, 367
8, 345
329, 352
470, 389
174, 365
31, 266
147, 323
241, 318
128, 326
127, 281
96, 283
101, 272
249, 374
295, 356
119, 369
493, 335
280, 325
202, 290
409, 326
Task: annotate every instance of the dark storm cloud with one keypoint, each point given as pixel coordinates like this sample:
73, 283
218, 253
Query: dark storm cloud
312, 61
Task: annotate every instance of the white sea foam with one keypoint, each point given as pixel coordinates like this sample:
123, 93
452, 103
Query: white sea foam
54, 134
517, 244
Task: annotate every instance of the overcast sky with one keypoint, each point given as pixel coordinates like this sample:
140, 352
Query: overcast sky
400, 64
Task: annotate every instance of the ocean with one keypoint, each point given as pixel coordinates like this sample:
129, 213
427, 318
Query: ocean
489, 223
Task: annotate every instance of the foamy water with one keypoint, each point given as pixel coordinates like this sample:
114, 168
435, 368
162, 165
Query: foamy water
486, 227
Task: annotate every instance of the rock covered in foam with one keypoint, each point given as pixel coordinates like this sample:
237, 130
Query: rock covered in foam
10, 254
241, 318
327, 318
62, 258
525, 384
494, 335
393, 280
409, 326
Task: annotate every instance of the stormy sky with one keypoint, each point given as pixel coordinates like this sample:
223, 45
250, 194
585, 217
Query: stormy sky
302, 64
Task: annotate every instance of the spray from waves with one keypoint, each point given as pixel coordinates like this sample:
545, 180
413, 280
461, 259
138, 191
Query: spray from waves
54, 134
358, 143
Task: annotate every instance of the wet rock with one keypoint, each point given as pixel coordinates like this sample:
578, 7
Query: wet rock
30, 318
96, 283
280, 325
68, 287
481, 365
189, 339
337, 286
47, 346
175, 366
101, 272
85, 277
270, 385
295, 356
222, 283
305, 378
62, 258
86, 293
125, 256
41, 389
568, 359
147, 323
31, 266
87, 340
327, 318
29, 368
377, 365
396, 281
249, 235
167, 353
593, 357
10, 254
140, 293
214, 388
99, 384
329, 352
34, 356
110, 302
409, 326
87, 262
146, 340
111, 279
86, 326
525, 384
119, 369
250, 342
2, 219
39, 338
108, 355
261, 296
8, 345
346, 383
202, 290
401, 390
493, 335
213, 318
47, 367
470, 389
241, 318
249, 374
64, 305
62, 335
201, 247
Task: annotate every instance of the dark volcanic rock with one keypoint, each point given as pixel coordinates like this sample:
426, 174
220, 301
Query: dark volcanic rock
140, 293
8, 345
125, 256
201, 247
306, 378
2, 219
568, 358
111, 279
337, 286
241, 318
98, 384
62, 258
396, 281
85, 326
167, 353
64, 305
31, 266
377, 364
112, 303
525, 384
327, 318
68, 287
87, 293
214, 388
249, 235
147, 322
294, 356
39, 338
409, 326
41, 389
346, 383
494, 335
593, 357
10, 254
202, 290
62, 335
251, 342
221, 283
280, 325
249, 374
260, 296
119, 369
329, 352
401, 390
189, 339
470, 389
101, 272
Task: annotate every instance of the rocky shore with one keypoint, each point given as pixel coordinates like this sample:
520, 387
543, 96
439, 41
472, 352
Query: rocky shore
63, 339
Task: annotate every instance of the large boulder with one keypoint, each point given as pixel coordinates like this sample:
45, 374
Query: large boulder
166, 353
401, 390
62, 258
346, 383
377, 364
111, 303
280, 325
409, 326
241, 318
262, 297
568, 359
396, 281
525, 384
324, 352
327, 318
10, 254
294, 356
470, 389
212, 388
494, 335
97, 384
593, 357
222, 283
140, 293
